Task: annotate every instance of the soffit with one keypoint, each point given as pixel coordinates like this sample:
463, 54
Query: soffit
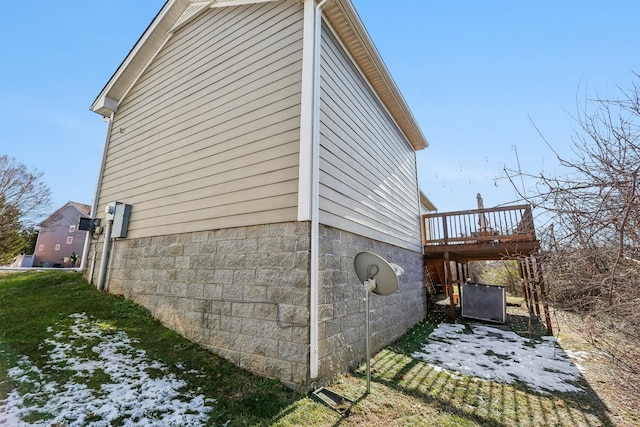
139, 57
344, 19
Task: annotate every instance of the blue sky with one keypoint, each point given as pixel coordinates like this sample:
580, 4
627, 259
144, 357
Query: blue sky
474, 74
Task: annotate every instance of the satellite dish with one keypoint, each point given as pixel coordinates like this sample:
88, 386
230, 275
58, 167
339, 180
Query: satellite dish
371, 266
380, 277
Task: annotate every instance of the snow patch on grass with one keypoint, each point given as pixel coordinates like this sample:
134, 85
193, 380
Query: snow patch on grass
125, 392
504, 356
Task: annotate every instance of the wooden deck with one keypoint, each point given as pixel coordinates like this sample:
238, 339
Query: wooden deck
481, 234
452, 239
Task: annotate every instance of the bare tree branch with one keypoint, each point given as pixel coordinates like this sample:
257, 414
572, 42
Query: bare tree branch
592, 229
24, 198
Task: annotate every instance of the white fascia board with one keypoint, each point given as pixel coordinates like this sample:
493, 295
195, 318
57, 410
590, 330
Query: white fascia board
135, 80
393, 97
125, 64
373, 90
306, 115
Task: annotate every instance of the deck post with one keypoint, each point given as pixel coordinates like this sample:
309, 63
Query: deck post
523, 277
535, 283
459, 279
449, 279
543, 294
445, 230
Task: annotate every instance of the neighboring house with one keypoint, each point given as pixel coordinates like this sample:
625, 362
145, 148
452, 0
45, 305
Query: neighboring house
253, 184
59, 237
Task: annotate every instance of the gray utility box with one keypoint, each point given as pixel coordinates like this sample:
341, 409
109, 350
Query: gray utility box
484, 302
120, 221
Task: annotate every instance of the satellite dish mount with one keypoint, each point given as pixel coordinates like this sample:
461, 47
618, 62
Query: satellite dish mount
377, 276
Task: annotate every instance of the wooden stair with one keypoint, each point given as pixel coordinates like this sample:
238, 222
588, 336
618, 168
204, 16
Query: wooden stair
434, 274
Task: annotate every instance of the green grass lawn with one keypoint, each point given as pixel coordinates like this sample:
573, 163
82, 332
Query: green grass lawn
32, 303
405, 391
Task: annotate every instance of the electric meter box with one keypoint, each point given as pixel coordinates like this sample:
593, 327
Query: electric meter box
120, 221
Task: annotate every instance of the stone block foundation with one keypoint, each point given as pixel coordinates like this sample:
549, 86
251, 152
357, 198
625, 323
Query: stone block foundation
243, 293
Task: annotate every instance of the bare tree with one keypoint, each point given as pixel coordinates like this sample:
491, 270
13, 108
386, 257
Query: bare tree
504, 273
24, 198
592, 229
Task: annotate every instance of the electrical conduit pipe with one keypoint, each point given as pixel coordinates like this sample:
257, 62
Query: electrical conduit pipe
105, 255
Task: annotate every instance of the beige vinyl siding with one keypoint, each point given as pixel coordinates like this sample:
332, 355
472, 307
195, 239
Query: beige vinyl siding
209, 135
368, 178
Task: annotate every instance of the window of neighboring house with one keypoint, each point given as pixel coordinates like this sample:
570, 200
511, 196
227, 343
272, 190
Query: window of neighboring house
69, 240
72, 229
57, 247
41, 248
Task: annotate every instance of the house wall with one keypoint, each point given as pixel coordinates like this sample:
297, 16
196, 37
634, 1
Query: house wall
56, 231
208, 137
244, 293
205, 148
368, 181
342, 301
241, 292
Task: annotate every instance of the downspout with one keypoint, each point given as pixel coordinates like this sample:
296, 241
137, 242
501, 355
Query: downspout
94, 207
315, 195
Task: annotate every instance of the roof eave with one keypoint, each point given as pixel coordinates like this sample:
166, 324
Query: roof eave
104, 105
343, 17
138, 58
427, 203
74, 205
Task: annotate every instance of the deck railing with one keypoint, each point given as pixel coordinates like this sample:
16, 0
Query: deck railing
503, 224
